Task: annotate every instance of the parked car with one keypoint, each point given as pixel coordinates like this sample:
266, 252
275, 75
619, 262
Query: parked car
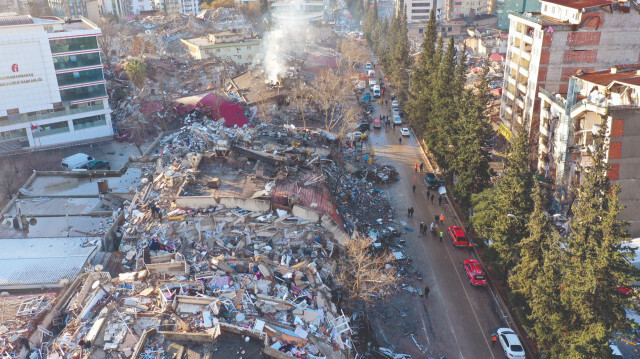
394, 103
405, 131
357, 136
97, 164
458, 237
370, 108
366, 97
397, 120
79, 160
432, 181
377, 123
363, 126
510, 343
367, 66
475, 272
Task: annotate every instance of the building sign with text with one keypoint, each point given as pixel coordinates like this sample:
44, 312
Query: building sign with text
27, 78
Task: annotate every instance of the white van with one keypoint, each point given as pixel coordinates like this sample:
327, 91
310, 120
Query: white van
75, 161
372, 82
376, 91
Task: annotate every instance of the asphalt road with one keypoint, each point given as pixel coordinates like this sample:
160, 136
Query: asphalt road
457, 319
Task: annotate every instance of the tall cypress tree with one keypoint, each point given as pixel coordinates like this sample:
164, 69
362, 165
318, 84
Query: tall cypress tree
597, 263
444, 111
419, 105
512, 196
538, 276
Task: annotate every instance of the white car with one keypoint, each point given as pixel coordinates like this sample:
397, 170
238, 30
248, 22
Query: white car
394, 103
367, 66
395, 111
405, 131
511, 345
397, 119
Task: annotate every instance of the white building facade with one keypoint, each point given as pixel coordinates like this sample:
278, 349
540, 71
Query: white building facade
187, 7
52, 89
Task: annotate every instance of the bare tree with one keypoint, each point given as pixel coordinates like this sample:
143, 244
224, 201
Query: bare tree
352, 52
365, 275
109, 40
331, 93
301, 97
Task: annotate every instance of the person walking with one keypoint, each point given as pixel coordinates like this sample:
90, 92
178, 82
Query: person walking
437, 218
421, 228
428, 193
432, 196
412, 210
409, 212
421, 166
414, 188
426, 291
439, 200
494, 339
399, 139
416, 167
441, 234
441, 218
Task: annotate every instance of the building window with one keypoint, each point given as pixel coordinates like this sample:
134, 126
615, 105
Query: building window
73, 61
421, 4
13, 134
74, 44
79, 77
419, 11
51, 129
88, 122
83, 93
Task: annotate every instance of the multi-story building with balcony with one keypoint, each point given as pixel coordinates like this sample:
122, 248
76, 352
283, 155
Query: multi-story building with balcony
52, 89
230, 45
418, 11
502, 9
74, 9
187, 7
545, 49
454, 9
569, 122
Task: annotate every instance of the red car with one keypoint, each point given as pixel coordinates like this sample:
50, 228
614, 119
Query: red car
474, 272
458, 236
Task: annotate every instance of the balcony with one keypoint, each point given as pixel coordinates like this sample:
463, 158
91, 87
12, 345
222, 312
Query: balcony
527, 39
520, 103
510, 94
524, 72
508, 110
544, 113
512, 81
522, 87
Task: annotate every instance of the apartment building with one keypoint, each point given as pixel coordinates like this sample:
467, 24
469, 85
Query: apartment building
74, 9
569, 122
224, 45
125, 7
52, 89
454, 9
545, 49
502, 9
418, 11
187, 7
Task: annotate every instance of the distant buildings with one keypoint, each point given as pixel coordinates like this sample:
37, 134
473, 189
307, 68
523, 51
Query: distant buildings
124, 7
224, 45
569, 122
545, 49
52, 89
187, 7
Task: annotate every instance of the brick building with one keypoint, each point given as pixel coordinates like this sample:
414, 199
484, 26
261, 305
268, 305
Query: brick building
545, 49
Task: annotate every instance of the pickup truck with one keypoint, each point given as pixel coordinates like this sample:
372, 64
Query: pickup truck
432, 181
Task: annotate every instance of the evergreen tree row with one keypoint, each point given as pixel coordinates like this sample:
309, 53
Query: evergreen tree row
390, 44
568, 285
452, 119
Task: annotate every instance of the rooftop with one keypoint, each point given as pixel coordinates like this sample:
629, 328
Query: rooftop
627, 74
31, 262
579, 4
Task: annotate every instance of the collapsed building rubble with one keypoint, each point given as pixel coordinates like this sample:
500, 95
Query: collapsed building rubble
232, 241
